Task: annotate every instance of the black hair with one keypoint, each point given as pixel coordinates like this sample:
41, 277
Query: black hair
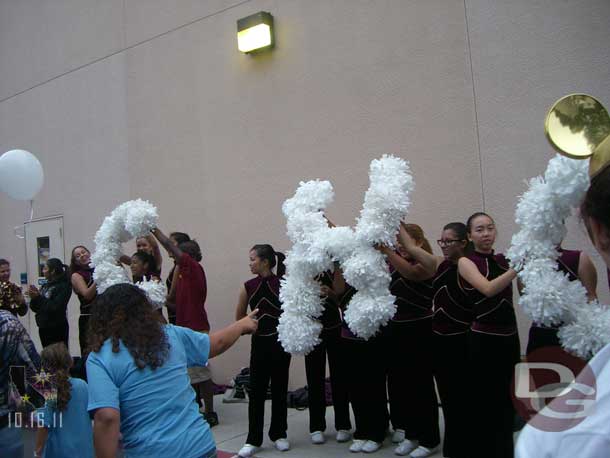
58, 269
596, 203
146, 258
461, 232
74, 266
266, 253
4, 262
472, 218
180, 237
191, 247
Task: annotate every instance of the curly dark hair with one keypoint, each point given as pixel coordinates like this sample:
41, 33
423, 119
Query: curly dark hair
57, 361
124, 313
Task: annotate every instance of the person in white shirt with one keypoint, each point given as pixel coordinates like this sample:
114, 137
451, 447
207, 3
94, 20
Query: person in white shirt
591, 437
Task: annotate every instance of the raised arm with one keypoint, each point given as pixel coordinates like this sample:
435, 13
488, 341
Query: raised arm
81, 288
588, 275
156, 251
242, 304
41, 439
221, 341
469, 271
427, 262
167, 243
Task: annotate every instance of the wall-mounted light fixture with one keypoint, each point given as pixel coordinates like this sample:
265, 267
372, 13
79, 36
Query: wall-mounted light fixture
255, 32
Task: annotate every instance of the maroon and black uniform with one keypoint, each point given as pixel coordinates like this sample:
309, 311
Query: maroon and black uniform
546, 336
171, 313
493, 352
269, 363
364, 369
315, 368
407, 341
85, 310
450, 334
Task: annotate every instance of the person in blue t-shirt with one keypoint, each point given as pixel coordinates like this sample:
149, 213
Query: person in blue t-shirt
67, 426
138, 379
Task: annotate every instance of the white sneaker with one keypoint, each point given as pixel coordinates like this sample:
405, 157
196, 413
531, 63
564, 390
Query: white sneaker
282, 444
343, 435
247, 451
398, 436
371, 447
317, 437
357, 445
405, 447
422, 451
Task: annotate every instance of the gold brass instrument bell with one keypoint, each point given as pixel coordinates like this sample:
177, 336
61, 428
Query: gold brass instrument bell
578, 126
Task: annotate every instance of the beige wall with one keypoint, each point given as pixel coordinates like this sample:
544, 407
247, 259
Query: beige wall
150, 98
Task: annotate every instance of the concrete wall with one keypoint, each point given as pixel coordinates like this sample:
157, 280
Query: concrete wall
151, 99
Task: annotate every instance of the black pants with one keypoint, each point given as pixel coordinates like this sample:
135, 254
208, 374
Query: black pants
540, 337
83, 331
408, 359
268, 363
492, 361
450, 356
54, 334
315, 368
366, 387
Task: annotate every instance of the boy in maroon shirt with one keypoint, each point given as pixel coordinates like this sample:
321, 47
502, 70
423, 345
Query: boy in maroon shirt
191, 292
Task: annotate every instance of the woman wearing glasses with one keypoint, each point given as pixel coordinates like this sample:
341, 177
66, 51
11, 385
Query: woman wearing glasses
450, 333
413, 402
493, 344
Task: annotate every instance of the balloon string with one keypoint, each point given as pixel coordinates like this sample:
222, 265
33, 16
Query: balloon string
22, 226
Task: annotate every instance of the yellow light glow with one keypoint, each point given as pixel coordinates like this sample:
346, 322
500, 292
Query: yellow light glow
253, 38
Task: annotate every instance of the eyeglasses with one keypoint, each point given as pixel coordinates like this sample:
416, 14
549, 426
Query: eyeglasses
449, 242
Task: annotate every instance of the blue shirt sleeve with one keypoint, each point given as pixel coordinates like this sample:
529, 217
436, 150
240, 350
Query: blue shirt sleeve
103, 391
196, 346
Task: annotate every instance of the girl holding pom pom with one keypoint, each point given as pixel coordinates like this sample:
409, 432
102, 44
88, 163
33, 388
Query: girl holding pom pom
269, 363
494, 342
81, 277
413, 402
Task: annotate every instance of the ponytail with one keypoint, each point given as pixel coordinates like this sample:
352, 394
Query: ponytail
57, 360
59, 269
266, 253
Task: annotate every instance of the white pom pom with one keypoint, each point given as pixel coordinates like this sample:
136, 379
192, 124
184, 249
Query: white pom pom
589, 333
129, 220
549, 298
156, 292
303, 332
106, 274
316, 246
366, 314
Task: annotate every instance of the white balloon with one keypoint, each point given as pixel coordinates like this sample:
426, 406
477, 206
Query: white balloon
21, 175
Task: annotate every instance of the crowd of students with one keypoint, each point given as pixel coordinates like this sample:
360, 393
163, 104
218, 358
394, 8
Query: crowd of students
454, 333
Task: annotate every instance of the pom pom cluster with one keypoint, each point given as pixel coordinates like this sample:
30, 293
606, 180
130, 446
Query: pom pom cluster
316, 246
549, 298
129, 220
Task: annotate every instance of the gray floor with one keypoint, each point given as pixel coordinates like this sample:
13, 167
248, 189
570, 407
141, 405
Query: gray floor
231, 434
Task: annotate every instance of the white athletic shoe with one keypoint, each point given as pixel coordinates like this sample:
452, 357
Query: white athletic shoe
398, 436
247, 451
343, 435
317, 437
421, 451
405, 447
282, 444
371, 446
357, 445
